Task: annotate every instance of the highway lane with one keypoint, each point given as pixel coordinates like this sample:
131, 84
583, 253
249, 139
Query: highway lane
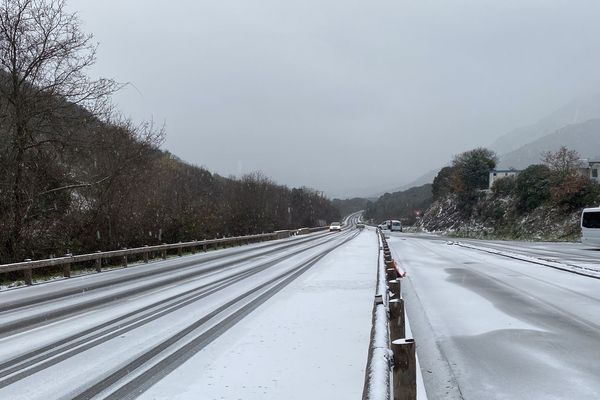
564, 252
571, 253
490, 327
114, 334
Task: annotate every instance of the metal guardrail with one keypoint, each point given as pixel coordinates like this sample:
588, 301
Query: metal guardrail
389, 348
67, 260
377, 380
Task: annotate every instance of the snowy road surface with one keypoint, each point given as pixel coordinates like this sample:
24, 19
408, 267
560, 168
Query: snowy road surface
491, 327
285, 317
567, 253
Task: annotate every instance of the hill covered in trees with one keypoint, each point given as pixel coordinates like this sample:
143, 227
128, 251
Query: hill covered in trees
76, 177
349, 206
542, 202
403, 205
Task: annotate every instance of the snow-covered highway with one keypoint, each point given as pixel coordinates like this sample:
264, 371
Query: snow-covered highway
116, 334
291, 319
569, 254
493, 327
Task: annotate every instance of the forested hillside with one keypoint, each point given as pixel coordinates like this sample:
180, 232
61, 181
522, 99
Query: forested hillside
543, 202
400, 205
74, 176
349, 206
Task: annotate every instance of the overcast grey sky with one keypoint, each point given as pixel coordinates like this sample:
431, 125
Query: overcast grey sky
349, 97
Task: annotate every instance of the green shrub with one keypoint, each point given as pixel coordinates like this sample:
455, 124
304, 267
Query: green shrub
532, 187
504, 186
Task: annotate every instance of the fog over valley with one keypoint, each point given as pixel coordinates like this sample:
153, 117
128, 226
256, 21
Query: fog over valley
353, 98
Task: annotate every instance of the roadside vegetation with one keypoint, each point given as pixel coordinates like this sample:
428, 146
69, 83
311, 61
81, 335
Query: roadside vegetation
543, 202
350, 206
405, 205
77, 177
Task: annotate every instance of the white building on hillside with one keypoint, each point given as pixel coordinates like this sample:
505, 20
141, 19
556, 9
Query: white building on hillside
595, 171
496, 174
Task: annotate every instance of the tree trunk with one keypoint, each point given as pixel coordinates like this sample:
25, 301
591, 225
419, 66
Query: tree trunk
18, 207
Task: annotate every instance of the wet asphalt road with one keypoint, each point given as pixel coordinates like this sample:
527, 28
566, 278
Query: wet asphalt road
489, 327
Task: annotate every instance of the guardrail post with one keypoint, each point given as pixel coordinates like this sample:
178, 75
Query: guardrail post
27, 274
397, 322
194, 247
67, 267
204, 247
180, 250
390, 273
405, 369
163, 253
98, 262
125, 259
146, 255
394, 286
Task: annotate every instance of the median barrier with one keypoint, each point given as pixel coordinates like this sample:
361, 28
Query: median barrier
389, 348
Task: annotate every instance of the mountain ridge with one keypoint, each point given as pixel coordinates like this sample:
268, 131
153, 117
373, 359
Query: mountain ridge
582, 137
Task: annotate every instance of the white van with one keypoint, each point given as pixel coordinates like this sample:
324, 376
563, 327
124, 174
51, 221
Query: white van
590, 226
396, 226
391, 225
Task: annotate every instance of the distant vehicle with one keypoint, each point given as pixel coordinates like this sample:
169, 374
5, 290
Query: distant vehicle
391, 225
396, 226
360, 225
335, 226
590, 226
384, 225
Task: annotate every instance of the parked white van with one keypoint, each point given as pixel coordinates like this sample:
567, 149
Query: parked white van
590, 226
396, 226
391, 225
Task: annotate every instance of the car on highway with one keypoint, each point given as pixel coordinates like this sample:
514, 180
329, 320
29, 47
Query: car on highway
335, 226
360, 225
590, 226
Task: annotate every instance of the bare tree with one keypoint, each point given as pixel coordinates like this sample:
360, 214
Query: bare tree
569, 186
563, 162
43, 61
